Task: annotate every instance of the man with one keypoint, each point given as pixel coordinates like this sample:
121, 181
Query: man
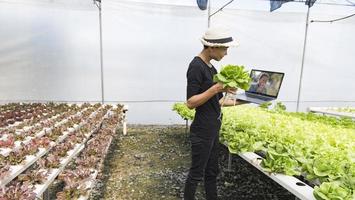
260, 86
206, 97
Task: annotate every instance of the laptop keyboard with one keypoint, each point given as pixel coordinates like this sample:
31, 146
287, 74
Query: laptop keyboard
258, 96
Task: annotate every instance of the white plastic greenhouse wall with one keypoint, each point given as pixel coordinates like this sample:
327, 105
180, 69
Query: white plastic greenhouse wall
50, 51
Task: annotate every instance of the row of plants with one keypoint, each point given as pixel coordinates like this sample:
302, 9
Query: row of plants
50, 110
28, 184
54, 111
19, 136
80, 176
348, 109
13, 106
14, 140
320, 149
11, 142
22, 156
342, 122
23, 112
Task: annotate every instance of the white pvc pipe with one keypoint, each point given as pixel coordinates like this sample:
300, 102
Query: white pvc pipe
125, 109
124, 128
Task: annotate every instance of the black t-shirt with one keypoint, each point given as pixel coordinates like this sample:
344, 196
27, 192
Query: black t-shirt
199, 79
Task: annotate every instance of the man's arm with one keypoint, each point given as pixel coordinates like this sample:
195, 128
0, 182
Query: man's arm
199, 99
231, 102
225, 101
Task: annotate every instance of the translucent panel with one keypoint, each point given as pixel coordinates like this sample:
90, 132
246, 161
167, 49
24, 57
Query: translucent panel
46, 54
146, 57
150, 52
49, 52
274, 44
63, 4
329, 65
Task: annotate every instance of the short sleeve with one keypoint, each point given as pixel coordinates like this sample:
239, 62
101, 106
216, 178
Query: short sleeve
220, 95
194, 81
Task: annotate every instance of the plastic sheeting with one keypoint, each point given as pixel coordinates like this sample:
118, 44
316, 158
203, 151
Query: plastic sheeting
51, 53
48, 53
64, 4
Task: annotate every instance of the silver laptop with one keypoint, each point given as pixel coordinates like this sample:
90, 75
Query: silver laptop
264, 87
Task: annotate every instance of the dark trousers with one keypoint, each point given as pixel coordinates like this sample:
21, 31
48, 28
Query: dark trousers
204, 166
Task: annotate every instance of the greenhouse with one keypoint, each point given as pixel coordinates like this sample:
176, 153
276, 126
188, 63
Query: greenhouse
177, 99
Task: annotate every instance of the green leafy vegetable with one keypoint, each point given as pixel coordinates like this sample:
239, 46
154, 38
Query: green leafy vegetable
321, 148
279, 160
279, 107
345, 109
265, 105
332, 190
184, 111
233, 76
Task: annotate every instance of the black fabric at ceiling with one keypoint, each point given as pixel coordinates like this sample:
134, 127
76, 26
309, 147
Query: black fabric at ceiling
202, 4
275, 4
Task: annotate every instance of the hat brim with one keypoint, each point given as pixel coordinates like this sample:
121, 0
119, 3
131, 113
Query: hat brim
227, 44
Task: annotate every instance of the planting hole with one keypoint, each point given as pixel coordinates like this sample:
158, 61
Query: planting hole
300, 184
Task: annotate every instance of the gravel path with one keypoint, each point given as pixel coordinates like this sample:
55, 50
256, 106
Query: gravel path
148, 163
151, 163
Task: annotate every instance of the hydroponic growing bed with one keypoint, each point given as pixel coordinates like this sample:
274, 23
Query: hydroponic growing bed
39, 141
318, 150
334, 111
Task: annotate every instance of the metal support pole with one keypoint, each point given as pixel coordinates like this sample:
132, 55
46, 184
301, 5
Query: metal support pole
209, 14
229, 162
303, 56
187, 128
99, 6
209, 11
101, 58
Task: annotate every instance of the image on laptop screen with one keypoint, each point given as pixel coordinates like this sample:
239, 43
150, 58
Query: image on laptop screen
265, 82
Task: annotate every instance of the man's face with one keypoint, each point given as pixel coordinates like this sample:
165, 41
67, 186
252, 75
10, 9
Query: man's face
262, 81
217, 53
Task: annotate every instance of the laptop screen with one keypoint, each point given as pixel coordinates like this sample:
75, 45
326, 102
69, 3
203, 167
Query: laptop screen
265, 82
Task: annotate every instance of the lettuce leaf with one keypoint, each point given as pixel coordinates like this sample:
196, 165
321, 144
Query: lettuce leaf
184, 111
233, 76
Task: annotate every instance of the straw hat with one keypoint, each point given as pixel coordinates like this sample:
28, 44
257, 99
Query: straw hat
218, 37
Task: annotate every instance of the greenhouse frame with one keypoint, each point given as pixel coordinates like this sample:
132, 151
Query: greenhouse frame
94, 101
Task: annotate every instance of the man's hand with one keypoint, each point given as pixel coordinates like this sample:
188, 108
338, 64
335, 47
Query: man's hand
218, 87
231, 90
